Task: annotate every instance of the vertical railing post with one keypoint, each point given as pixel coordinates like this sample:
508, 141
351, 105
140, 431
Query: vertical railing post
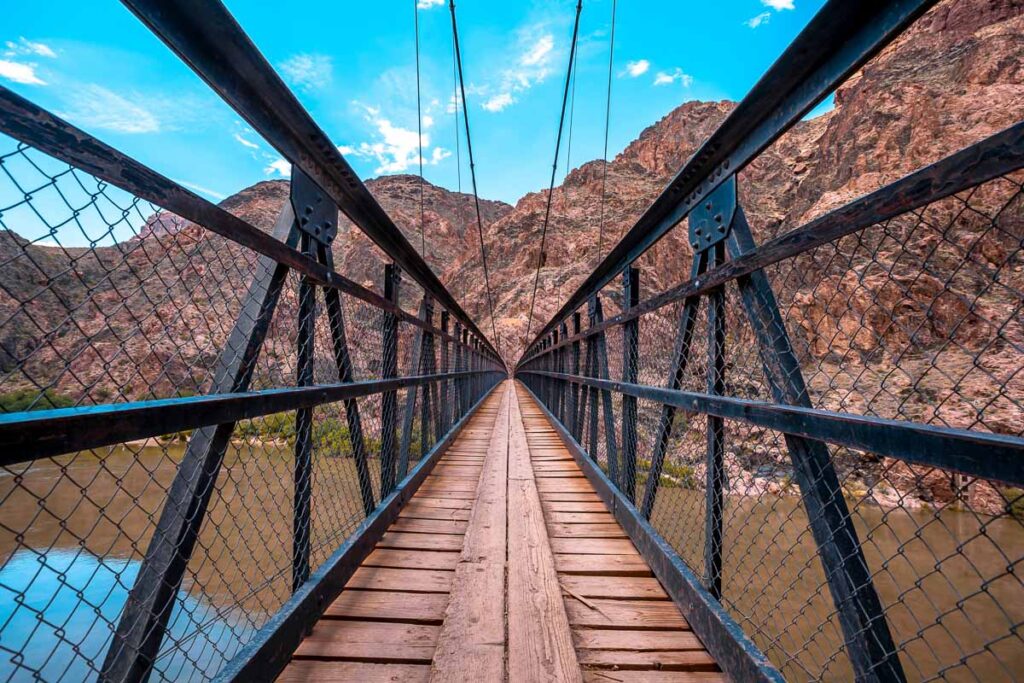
464, 383
303, 428
630, 364
426, 365
556, 384
592, 391
416, 360
715, 476
457, 383
574, 389
443, 408
563, 385
389, 369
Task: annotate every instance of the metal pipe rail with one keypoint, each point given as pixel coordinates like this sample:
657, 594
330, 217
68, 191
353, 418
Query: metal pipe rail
778, 474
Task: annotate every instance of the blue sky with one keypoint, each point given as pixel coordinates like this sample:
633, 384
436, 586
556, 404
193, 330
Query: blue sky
352, 64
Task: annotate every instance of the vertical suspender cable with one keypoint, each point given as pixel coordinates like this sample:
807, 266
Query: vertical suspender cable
419, 127
607, 119
472, 173
554, 166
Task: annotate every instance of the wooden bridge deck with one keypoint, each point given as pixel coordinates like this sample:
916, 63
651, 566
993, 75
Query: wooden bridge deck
505, 565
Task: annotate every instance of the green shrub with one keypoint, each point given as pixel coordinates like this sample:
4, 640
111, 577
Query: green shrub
30, 399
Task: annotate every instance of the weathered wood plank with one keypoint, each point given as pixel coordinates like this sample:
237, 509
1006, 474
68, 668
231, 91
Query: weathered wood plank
593, 546
304, 671
614, 587
539, 638
602, 639
413, 608
471, 645
370, 641
609, 565
671, 660
586, 531
430, 526
404, 541
407, 580
626, 614
411, 559
599, 676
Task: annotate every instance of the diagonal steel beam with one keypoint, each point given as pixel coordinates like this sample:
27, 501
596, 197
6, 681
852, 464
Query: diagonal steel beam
140, 631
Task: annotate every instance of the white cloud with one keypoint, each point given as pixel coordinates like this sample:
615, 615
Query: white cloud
778, 5
201, 190
498, 102
345, 149
279, 167
308, 71
428, 120
670, 77
438, 155
24, 46
427, 4
93, 106
637, 68
20, 73
535, 63
245, 143
761, 18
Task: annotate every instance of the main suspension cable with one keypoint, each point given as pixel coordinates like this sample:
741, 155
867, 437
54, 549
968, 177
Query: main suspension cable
554, 166
607, 119
472, 173
419, 128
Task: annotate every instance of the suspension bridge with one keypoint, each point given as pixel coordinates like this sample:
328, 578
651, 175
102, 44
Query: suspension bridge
351, 482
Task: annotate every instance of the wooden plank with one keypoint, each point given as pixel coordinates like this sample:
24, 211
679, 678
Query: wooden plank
407, 580
599, 676
627, 614
609, 565
586, 531
303, 671
593, 546
677, 660
414, 511
614, 587
370, 641
404, 541
441, 502
414, 608
450, 494
572, 506
411, 559
601, 639
539, 638
572, 496
555, 517
471, 645
429, 526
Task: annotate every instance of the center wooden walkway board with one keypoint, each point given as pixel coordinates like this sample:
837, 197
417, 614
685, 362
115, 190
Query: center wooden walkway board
624, 626
504, 566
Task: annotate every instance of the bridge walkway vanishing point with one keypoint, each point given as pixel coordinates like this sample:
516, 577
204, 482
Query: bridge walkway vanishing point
504, 564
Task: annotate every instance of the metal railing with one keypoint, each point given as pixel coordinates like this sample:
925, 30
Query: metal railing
204, 427
816, 441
